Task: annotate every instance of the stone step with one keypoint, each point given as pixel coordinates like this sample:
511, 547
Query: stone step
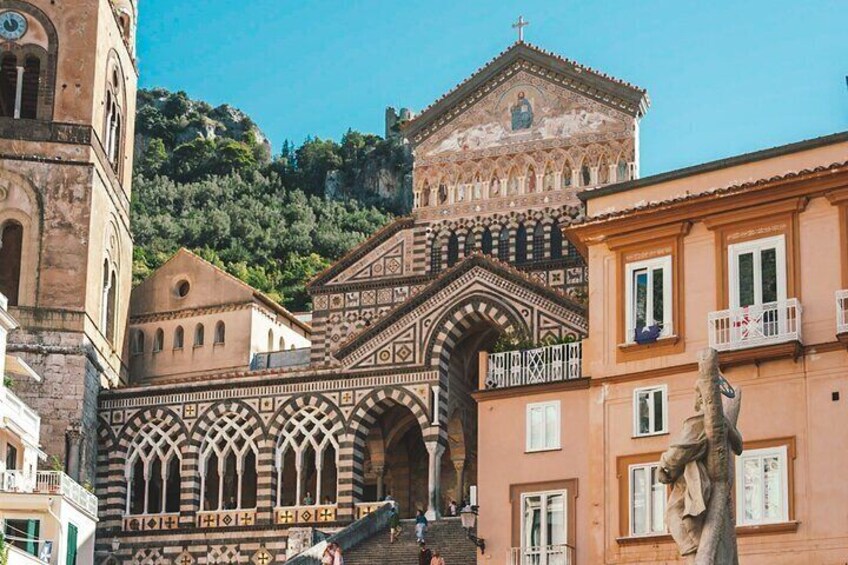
446, 535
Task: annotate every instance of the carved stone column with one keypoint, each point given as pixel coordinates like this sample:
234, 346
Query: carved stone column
435, 451
459, 467
74, 438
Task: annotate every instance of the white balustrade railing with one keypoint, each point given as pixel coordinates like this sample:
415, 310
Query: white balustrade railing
541, 555
548, 364
16, 411
755, 325
49, 482
841, 311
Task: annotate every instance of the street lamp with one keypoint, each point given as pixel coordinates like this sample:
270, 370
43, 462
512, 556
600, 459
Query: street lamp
468, 515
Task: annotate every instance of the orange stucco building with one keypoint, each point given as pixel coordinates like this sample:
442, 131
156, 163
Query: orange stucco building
746, 255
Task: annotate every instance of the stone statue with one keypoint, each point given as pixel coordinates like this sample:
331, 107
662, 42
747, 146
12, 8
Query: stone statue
700, 464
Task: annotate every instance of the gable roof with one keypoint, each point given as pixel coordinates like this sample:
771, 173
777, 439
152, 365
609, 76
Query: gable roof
445, 278
589, 82
184, 254
360, 251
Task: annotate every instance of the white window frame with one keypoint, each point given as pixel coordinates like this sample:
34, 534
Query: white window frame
663, 263
649, 499
783, 459
540, 551
548, 444
663, 390
756, 246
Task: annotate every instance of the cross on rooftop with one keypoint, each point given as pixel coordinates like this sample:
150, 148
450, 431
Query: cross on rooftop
520, 25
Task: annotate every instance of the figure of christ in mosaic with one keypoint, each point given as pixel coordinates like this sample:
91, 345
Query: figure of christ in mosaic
380, 401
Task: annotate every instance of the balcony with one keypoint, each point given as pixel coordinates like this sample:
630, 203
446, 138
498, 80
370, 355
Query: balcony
547, 555
542, 365
771, 324
841, 312
14, 412
49, 482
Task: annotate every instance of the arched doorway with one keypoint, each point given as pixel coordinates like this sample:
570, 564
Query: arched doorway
467, 329
394, 458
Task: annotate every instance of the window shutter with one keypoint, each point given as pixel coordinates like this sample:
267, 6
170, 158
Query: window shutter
71, 558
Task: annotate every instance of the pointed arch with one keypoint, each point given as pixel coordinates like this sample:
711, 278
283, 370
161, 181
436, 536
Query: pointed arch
453, 249
520, 244
503, 244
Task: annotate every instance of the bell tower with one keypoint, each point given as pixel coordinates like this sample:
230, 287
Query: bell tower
68, 82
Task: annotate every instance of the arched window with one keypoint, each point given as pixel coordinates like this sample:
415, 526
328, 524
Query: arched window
436, 256
585, 176
307, 459
8, 85
138, 342
29, 88
470, 243
112, 307
179, 337
548, 181
158, 340
486, 242
531, 180
512, 183
228, 465
199, 335
220, 332
282, 344
539, 242
153, 469
556, 241
621, 172
495, 187
443, 193
503, 244
425, 196
114, 120
11, 246
270, 340
521, 245
453, 249
566, 176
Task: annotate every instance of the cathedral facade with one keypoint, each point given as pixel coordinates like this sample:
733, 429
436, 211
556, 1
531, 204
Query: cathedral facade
268, 444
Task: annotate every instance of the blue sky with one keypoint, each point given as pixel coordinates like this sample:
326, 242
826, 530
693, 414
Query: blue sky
724, 77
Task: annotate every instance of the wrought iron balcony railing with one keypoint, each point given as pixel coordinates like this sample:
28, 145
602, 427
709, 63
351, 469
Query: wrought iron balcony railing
755, 325
548, 364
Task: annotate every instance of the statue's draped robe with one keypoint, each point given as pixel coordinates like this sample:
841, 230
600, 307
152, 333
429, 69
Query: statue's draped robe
687, 504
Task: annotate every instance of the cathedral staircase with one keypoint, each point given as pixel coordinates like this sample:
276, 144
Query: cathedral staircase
446, 535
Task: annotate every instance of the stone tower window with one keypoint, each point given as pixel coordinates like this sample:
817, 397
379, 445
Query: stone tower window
153, 470
179, 337
228, 465
470, 243
486, 242
436, 256
138, 342
220, 333
199, 332
158, 340
503, 244
521, 245
19, 80
108, 301
556, 241
11, 245
453, 249
113, 127
539, 242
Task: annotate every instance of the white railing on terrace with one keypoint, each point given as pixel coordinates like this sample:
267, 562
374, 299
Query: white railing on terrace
755, 325
547, 555
16, 411
49, 482
548, 364
841, 311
